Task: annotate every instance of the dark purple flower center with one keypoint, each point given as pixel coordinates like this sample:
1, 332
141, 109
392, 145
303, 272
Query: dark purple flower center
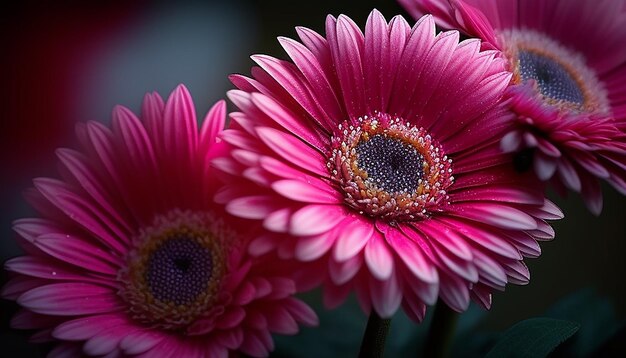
554, 81
563, 78
391, 164
173, 274
390, 169
179, 270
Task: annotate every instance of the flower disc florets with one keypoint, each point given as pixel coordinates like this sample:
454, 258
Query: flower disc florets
174, 273
561, 76
390, 169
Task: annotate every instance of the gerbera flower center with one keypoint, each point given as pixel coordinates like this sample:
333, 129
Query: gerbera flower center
179, 270
390, 169
391, 164
561, 75
175, 270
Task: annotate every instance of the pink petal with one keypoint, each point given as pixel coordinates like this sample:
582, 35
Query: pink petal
279, 320
152, 115
500, 216
18, 285
454, 293
84, 328
386, 296
213, 124
490, 271
278, 221
140, 341
568, 175
78, 165
107, 341
591, 164
412, 256
79, 252
481, 295
315, 219
347, 46
517, 272
311, 248
548, 211
301, 191
240, 139
253, 346
491, 240
286, 74
592, 195
245, 294
526, 244
82, 211
500, 193
342, 272
252, 207
231, 319
316, 78
446, 238
135, 141
180, 134
231, 339
281, 288
353, 237
262, 286
30, 228
227, 165
293, 150
511, 141
45, 268
544, 166
301, 312
68, 299
414, 309
548, 148
378, 257
378, 75
290, 121
262, 245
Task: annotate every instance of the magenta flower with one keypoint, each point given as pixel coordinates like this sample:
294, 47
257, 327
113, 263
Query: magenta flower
129, 256
376, 157
569, 83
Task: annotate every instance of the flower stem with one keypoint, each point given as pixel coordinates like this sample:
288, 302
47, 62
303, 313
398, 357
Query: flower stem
373, 344
441, 331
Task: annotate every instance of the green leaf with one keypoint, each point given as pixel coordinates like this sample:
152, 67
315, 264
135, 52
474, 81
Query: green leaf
535, 337
597, 318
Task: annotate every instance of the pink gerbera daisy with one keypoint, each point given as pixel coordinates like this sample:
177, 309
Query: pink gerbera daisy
569, 85
376, 156
129, 256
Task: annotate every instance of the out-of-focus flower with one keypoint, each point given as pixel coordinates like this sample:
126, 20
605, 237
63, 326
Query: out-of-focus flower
130, 256
569, 83
377, 157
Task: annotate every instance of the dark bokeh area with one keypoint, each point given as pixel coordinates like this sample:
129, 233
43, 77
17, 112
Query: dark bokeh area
66, 63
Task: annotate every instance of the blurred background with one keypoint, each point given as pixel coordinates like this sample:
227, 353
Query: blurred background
65, 63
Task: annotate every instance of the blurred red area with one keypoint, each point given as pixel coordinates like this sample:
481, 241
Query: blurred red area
45, 48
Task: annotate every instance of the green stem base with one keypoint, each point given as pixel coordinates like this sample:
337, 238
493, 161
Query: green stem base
375, 336
441, 331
